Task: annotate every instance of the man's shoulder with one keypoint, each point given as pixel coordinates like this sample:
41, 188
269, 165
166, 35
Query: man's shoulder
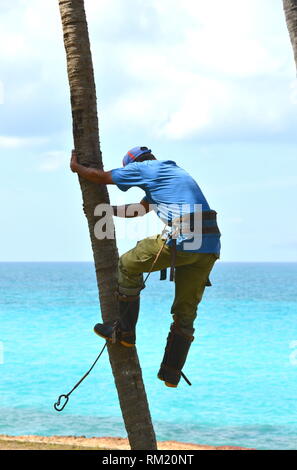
158, 163
143, 166
128, 168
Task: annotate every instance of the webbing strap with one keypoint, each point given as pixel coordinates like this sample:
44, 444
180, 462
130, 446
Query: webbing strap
173, 259
163, 274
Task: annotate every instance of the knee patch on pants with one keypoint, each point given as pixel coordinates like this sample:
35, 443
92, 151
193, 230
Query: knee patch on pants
129, 291
129, 283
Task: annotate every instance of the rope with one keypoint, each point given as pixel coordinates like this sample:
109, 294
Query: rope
66, 396
156, 259
185, 378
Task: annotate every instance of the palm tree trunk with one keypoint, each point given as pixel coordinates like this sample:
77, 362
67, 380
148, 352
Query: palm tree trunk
290, 7
124, 361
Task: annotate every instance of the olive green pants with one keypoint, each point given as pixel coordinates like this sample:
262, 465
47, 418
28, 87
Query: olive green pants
191, 274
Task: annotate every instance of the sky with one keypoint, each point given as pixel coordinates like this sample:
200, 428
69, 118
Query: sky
210, 85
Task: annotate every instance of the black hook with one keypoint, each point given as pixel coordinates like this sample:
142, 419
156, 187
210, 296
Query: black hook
57, 404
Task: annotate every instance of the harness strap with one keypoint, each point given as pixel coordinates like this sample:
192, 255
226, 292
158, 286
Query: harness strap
173, 259
209, 215
163, 274
214, 229
208, 283
126, 298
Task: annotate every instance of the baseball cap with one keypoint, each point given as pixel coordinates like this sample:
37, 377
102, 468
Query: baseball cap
132, 154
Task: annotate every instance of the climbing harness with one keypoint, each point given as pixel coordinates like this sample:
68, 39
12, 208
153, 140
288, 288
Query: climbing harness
57, 405
184, 223
163, 272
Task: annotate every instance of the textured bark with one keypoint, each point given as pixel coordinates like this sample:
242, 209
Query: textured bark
124, 361
290, 7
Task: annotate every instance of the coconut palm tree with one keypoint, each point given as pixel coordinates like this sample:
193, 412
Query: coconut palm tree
124, 361
290, 7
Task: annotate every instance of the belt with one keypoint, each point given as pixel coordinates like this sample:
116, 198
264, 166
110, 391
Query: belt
186, 223
176, 223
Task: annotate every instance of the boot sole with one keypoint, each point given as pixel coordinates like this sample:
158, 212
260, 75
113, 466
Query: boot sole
123, 343
127, 345
167, 383
102, 336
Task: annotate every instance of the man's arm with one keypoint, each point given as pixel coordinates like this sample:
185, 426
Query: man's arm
90, 174
126, 212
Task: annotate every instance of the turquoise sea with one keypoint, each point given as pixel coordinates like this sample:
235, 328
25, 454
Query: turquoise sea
243, 362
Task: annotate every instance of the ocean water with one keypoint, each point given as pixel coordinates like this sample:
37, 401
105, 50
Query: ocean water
242, 364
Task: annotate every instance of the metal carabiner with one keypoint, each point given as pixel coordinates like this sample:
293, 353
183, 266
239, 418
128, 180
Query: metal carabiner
57, 404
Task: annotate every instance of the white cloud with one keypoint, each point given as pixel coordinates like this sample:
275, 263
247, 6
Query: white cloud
206, 73
1, 93
53, 160
8, 142
182, 103
233, 37
183, 69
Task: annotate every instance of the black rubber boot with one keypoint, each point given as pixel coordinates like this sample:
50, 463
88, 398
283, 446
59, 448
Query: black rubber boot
129, 310
123, 330
105, 330
176, 351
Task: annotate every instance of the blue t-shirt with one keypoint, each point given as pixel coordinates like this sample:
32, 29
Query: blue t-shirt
173, 192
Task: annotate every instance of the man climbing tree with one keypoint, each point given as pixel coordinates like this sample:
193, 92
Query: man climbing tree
190, 246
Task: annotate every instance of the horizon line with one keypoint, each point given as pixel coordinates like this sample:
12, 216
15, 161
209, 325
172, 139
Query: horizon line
91, 261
